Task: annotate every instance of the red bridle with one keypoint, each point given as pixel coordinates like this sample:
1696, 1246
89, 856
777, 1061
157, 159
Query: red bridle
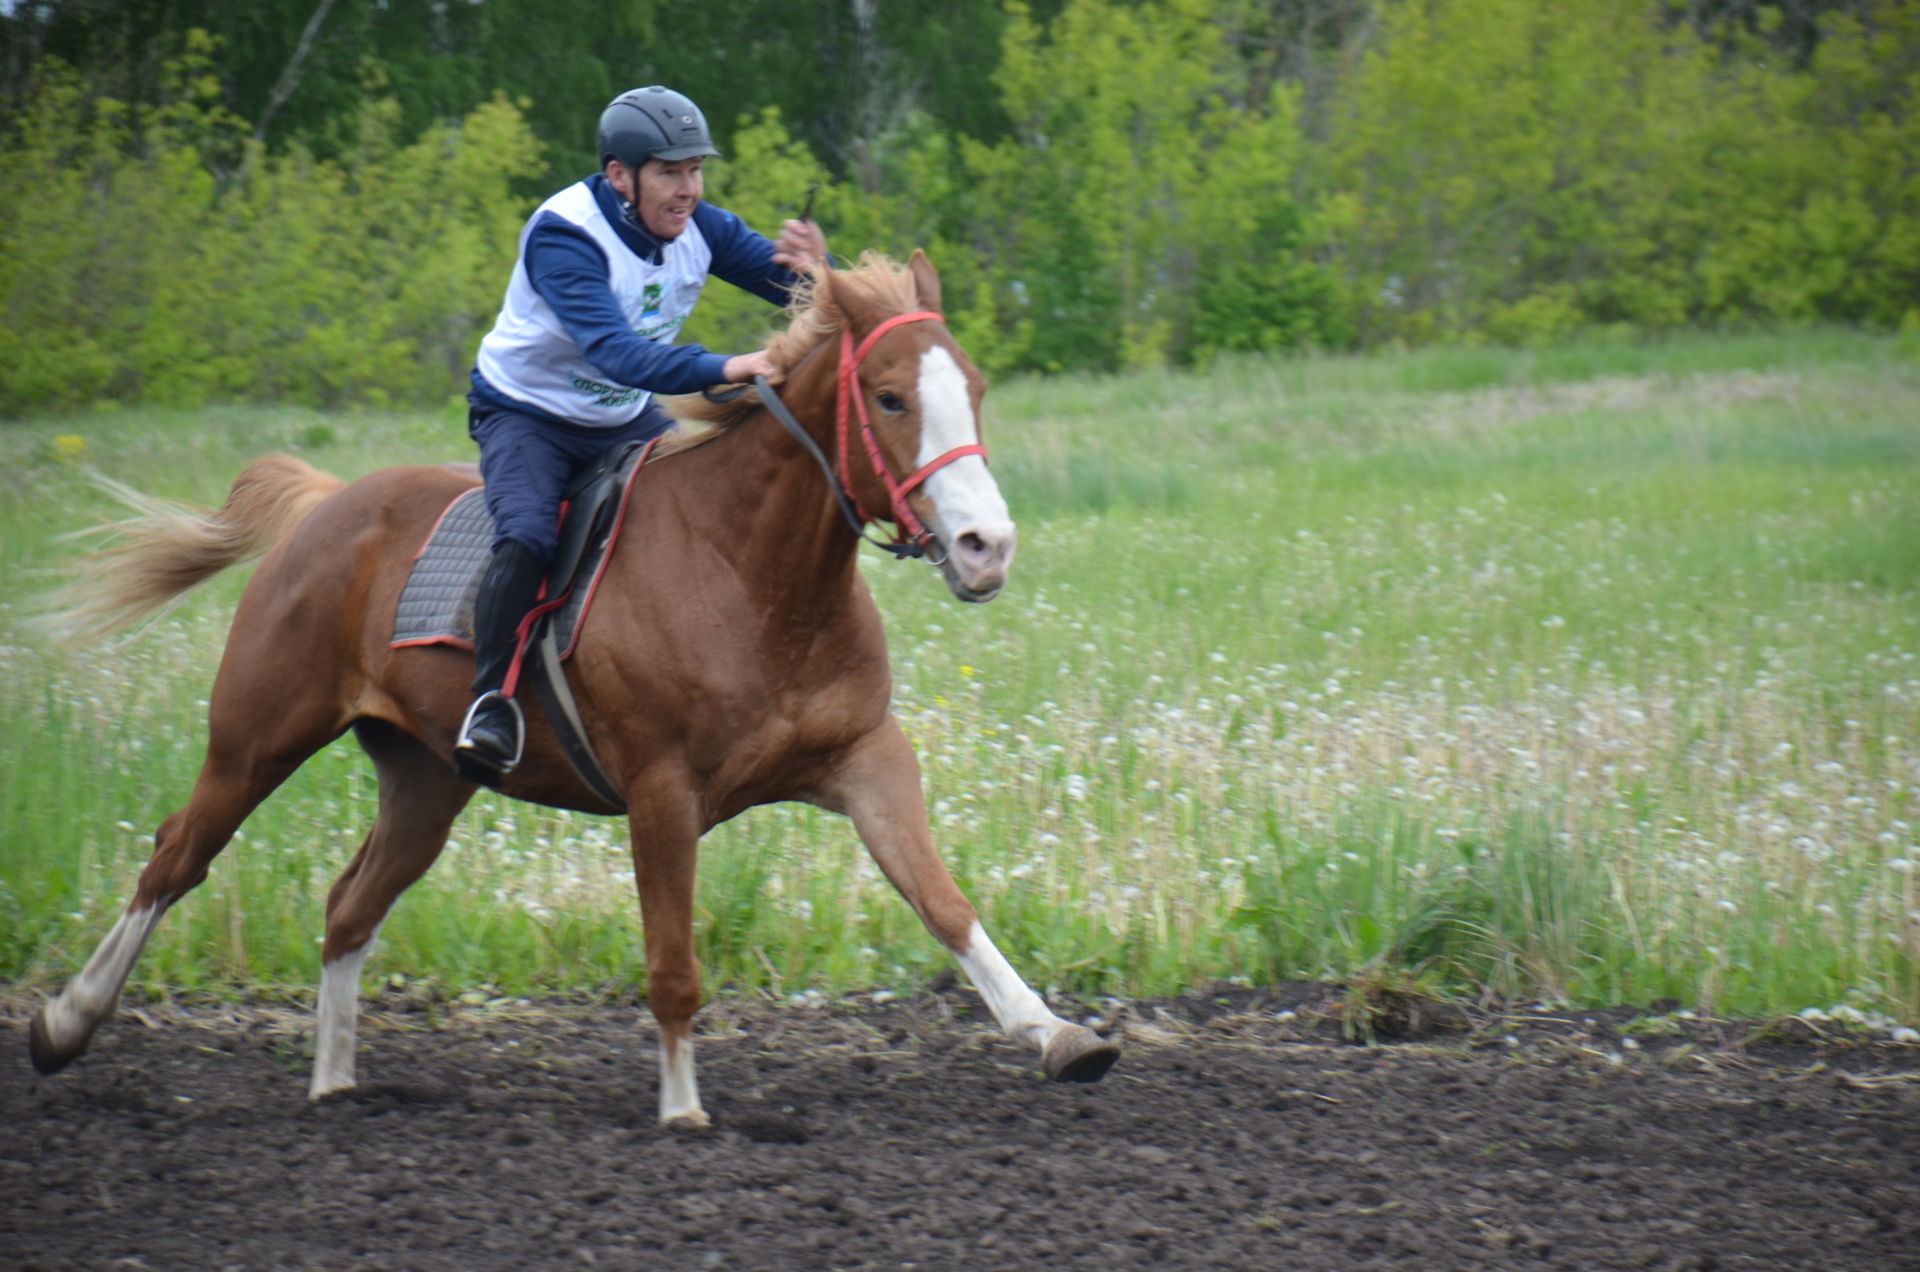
907, 527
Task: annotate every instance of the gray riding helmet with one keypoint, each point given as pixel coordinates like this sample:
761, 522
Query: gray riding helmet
652, 123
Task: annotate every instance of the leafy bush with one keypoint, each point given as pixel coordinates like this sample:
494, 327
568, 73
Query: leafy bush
162, 256
1521, 168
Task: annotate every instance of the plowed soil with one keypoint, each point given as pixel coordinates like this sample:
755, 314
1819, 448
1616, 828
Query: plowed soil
907, 1135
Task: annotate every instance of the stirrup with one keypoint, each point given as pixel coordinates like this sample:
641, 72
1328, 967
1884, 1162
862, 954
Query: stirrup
478, 763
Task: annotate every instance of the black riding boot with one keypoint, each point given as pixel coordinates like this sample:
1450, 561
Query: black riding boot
491, 737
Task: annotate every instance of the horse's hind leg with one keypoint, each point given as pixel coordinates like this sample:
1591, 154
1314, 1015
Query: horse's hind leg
419, 798
255, 742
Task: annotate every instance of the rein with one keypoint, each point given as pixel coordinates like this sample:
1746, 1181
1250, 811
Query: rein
911, 537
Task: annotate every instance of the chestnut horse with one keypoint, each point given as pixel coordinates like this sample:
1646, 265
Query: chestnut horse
734, 658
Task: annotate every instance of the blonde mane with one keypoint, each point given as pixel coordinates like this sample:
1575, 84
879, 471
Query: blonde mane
884, 284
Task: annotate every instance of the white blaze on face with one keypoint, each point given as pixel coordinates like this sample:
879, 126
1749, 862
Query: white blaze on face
966, 499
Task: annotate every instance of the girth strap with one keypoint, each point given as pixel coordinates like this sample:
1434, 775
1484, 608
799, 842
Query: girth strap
563, 713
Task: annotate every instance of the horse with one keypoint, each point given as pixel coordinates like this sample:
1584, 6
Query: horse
735, 658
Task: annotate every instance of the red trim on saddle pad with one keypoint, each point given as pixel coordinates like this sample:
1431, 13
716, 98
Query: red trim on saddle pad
451, 642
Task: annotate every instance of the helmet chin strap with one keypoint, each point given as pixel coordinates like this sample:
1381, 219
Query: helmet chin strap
632, 204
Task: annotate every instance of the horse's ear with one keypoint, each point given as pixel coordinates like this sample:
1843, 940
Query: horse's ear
926, 280
854, 309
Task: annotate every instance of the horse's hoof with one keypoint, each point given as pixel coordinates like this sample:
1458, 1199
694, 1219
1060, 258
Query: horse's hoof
1077, 1054
694, 1120
46, 1057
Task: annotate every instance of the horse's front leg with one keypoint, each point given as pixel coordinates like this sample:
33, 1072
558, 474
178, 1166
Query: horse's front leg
878, 786
665, 847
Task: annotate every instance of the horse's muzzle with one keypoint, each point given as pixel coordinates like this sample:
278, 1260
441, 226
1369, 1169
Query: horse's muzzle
975, 564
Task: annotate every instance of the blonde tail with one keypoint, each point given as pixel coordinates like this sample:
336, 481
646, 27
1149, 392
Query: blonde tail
166, 549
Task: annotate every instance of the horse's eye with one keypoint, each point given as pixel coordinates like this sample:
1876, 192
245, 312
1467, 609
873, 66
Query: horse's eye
891, 404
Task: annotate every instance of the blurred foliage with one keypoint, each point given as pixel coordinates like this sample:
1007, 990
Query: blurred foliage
843, 71
1516, 169
161, 255
318, 203
1141, 177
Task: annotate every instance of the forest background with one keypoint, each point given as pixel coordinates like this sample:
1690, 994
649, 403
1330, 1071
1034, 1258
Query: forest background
316, 203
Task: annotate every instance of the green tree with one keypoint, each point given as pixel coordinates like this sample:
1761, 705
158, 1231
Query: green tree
1140, 177
764, 180
1827, 222
1519, 168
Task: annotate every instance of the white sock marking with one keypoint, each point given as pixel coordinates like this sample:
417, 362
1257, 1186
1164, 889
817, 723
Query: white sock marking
1020, 1011
679, 1093
333, 1058
90, 997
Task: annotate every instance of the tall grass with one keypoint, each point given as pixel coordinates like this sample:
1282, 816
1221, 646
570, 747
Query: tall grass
1590, 673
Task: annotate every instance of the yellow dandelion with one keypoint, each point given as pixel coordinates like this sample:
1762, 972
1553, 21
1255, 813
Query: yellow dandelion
70, 447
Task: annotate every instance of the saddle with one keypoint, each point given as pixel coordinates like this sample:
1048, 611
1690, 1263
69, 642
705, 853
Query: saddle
437, 604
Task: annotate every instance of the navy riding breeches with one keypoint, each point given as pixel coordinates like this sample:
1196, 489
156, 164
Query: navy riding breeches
527, 462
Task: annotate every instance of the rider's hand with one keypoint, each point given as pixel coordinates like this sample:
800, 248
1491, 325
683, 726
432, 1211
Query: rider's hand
800, 244
742, 367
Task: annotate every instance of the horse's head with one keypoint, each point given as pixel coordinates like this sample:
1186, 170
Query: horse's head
905, 377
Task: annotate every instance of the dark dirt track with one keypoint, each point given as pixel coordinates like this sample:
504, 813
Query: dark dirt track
907, 1136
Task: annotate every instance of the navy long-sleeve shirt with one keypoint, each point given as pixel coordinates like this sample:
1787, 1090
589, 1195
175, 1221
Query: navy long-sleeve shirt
569, 271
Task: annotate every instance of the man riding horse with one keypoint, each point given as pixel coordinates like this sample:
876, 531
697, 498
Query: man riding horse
608, 272
767, 681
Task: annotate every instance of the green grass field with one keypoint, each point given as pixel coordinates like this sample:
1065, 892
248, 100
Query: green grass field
1591, 674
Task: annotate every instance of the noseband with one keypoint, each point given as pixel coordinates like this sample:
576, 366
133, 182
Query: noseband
911, 537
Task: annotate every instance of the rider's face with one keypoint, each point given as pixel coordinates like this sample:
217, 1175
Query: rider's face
668, 191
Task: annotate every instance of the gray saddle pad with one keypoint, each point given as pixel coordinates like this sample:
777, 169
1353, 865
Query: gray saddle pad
436, 605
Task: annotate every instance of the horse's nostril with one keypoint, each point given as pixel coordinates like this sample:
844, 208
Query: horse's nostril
973, 545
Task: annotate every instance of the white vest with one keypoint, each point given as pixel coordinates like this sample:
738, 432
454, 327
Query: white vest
529, 357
